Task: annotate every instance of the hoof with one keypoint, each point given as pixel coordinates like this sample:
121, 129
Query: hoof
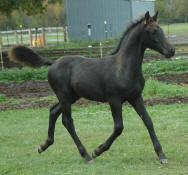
163, 161
40, 150
94, 155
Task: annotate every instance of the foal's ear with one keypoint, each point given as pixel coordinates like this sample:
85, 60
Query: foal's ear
147, 18
155, 16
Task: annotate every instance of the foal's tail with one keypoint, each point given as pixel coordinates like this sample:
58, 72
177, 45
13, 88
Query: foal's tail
25, 56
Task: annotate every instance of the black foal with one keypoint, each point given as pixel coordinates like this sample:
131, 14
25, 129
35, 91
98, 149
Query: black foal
114, 79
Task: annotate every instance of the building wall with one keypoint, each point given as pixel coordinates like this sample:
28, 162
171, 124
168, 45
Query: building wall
139, 7
118, 13
80, 13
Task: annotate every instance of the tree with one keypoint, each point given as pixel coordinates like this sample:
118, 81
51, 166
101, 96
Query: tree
182, 11
54, 15
162, 8
172, 10
30, 7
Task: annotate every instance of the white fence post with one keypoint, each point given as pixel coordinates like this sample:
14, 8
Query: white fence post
16, 37
30, 37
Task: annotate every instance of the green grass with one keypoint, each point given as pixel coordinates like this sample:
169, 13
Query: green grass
165, 66
176, 29
156, 89
3, 98
132, 153
23, 74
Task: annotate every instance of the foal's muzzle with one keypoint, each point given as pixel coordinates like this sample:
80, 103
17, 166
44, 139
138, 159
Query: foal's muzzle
170, 53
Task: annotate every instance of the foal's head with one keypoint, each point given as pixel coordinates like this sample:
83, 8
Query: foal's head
155, 38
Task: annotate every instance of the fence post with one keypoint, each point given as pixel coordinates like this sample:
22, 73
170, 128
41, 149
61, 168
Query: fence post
16, 37
7, 37
30, 37
100, 49
1, 52
21, 34
65, 34
43, 37
1, 40
36, 31
2, 66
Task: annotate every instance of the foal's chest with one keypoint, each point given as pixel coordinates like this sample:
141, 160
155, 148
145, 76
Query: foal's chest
131, 88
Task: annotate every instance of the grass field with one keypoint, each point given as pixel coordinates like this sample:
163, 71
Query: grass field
132, 153
176, 29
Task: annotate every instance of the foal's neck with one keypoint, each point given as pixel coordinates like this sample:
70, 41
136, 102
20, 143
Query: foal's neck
132, 50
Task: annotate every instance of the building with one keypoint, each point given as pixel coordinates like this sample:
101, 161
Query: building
107, 18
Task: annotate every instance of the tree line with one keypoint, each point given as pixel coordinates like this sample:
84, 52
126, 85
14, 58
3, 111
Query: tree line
15, 14
31, 13
172, 11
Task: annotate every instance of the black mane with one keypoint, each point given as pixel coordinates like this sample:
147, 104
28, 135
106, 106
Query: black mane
126, 33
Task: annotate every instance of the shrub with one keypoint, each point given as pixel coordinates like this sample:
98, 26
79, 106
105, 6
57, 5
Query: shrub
175, 66
23, 74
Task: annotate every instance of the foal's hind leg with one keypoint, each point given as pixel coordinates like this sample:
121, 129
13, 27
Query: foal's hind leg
55, 111
138, 105
116, 109
69, 125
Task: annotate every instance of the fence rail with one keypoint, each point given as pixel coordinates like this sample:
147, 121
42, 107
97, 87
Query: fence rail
34, 37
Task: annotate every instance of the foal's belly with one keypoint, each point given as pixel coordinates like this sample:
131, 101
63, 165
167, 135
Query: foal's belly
88, 88
89, 92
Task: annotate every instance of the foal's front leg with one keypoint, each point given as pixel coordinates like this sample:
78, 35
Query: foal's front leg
116, 109
138, 105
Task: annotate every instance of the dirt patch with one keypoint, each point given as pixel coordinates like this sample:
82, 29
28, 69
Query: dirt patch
180, 79
27, 89
37, 89
167, 101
